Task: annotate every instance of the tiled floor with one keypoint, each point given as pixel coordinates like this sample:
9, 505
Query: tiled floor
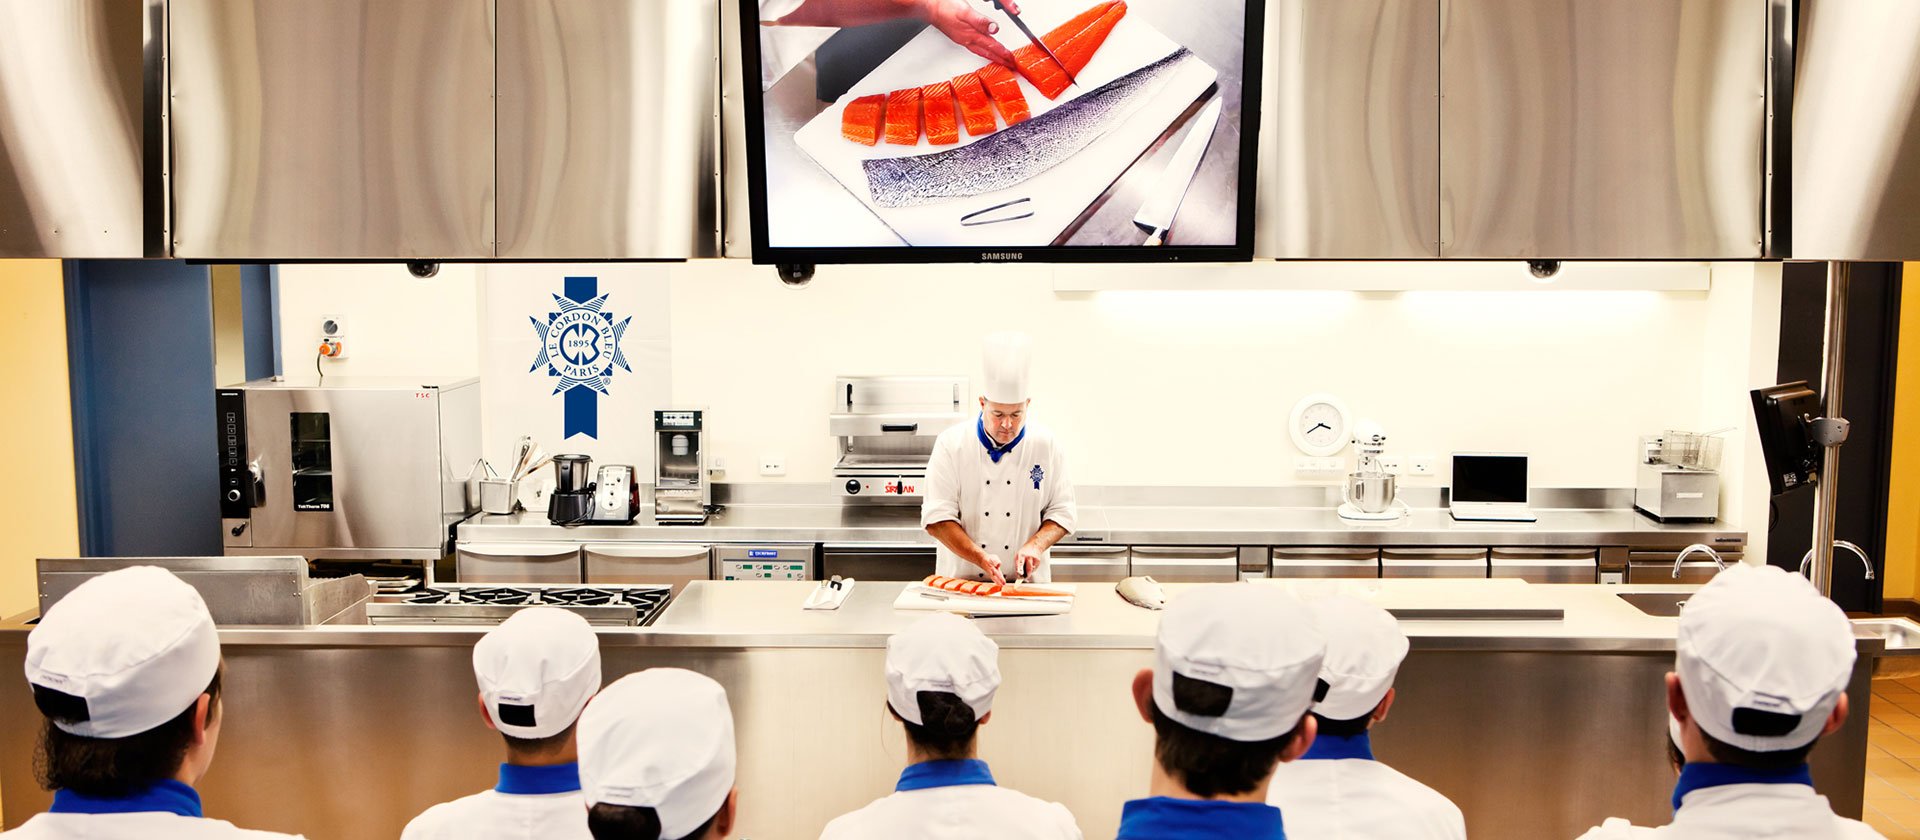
1893, 759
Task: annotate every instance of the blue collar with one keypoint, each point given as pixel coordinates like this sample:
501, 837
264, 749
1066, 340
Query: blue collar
933, 774
1160, 816
1335, 746
552, 778
168, 797
1696, 776
995, 450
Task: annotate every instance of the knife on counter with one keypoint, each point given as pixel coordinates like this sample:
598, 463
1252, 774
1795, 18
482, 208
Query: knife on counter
1163, 200
1036, 41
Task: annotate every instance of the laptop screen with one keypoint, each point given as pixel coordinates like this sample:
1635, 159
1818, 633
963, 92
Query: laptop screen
1490, 479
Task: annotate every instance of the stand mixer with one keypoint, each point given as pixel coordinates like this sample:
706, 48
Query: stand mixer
1370, 494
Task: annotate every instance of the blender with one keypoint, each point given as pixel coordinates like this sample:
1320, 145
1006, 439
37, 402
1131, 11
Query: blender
1370, 493
572, 499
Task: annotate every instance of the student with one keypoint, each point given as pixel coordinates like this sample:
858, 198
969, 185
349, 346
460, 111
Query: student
536, 671
1235, 668
1762, 663
1338, 789
657, 759
941, 677
126, 670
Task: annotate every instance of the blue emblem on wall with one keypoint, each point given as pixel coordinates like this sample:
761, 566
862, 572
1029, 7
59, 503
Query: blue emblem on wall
1037, 475
580, 347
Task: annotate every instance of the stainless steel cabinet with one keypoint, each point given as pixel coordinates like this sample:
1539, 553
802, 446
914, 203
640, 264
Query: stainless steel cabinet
609, 127
1318, 562
1187, 564
1856, 148
669, 563
1602, 129
1433, 562
529, 562
1090, 563
1656, 566
1351, 163
332, 129
877, 561
1546, 565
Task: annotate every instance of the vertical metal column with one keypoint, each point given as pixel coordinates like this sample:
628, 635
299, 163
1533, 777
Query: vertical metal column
1839, 275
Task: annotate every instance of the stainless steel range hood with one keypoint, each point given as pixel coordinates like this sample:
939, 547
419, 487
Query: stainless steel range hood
1856, 131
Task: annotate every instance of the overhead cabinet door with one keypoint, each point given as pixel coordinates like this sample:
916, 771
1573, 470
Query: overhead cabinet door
332, 129
1602, 129
1350, 165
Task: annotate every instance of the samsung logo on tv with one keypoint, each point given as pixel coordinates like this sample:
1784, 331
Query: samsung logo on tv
1002, 255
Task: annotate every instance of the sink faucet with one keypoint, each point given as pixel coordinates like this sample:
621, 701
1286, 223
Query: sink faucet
1857, 552
1697, 548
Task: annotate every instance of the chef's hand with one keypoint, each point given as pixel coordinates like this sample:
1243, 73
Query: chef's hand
1029, 560
990, 563
964, 26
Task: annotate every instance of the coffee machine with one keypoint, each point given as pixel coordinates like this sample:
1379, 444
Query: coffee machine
681, 494
572, 499
1370, 493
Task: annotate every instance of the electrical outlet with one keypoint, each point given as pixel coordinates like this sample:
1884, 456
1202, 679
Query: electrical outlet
1422, 464
333, 326
1391, 465
773, 465
333, 348
1316, 465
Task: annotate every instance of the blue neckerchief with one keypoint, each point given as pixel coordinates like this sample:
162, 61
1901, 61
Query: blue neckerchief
1160, 816
933, 774
1696, 776
168, 797
1335, 746
995, 450
553, 778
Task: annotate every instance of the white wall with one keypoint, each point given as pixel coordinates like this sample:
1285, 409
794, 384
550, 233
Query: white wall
1167, 387
397, 324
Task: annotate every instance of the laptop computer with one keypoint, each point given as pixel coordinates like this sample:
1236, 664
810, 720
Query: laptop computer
1490, 487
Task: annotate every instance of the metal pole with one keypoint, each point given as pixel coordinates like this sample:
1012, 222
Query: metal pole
1839, 275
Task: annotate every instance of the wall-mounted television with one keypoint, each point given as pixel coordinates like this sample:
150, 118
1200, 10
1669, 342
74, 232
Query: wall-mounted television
939, 131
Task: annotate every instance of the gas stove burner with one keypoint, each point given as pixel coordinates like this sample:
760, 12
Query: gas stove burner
628, 605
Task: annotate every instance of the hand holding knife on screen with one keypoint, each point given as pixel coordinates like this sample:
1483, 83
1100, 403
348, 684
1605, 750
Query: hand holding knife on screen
957, 19
1012, 11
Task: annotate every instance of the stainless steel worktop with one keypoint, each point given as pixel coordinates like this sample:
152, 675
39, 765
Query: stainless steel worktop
1130, 525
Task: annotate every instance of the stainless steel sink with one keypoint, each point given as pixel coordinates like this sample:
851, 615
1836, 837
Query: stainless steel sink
1902, 637
1664, 604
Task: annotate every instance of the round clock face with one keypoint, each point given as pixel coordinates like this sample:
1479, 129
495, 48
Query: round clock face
1319, 425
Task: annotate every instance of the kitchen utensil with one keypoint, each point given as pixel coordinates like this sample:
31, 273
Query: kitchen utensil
520, 459
829, 595
1164, 198
1370, 493
973, 219
572, 500
537, 466
499, 495
570, 473
1035, 40
1143, 591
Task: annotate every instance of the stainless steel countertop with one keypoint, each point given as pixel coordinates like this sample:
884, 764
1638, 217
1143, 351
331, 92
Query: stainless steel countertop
767, 614
1130, 525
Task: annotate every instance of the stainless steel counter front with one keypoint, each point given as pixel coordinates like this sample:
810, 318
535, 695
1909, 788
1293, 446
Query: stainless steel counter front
1535, 728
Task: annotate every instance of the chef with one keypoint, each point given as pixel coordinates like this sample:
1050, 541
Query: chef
997, 492
1762, 662
536, 672
126, 670
790, 30
1338, 790
942, 673
657, 758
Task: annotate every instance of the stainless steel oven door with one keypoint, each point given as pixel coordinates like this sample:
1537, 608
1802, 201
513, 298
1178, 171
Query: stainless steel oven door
348, 469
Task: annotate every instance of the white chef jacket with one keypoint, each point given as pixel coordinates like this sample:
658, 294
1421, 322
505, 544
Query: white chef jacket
956, 800
169, 811
1750, 811
529, 803
1337, 790
1000, 503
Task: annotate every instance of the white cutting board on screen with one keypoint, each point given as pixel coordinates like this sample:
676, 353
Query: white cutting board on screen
1058, 195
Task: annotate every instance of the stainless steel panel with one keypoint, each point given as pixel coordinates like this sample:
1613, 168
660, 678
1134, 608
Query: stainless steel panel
1856, 142
1693, 571
877, 562
609, 129
669, 563
1187, 564
1433, 562
736, 229
519, 563
71, 127
238, 591
1318, 562
1546, 565
1602, 129
1089, 563
1353, 123
333, 129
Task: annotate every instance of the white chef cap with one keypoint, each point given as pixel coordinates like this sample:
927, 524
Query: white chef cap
662, 739
537, 670
1006, 357
1763, 658
122, 653
1364, 650
1251, 639
942, 652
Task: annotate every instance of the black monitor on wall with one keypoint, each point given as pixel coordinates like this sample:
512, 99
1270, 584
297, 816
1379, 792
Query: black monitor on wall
1784, 415
890, 131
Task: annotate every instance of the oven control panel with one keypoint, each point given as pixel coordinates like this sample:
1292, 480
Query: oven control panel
887, 485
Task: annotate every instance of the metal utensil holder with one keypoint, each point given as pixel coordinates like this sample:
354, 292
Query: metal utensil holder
499, 495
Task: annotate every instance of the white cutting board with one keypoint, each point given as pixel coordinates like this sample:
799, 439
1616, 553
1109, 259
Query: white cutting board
919, 596
1059, 194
